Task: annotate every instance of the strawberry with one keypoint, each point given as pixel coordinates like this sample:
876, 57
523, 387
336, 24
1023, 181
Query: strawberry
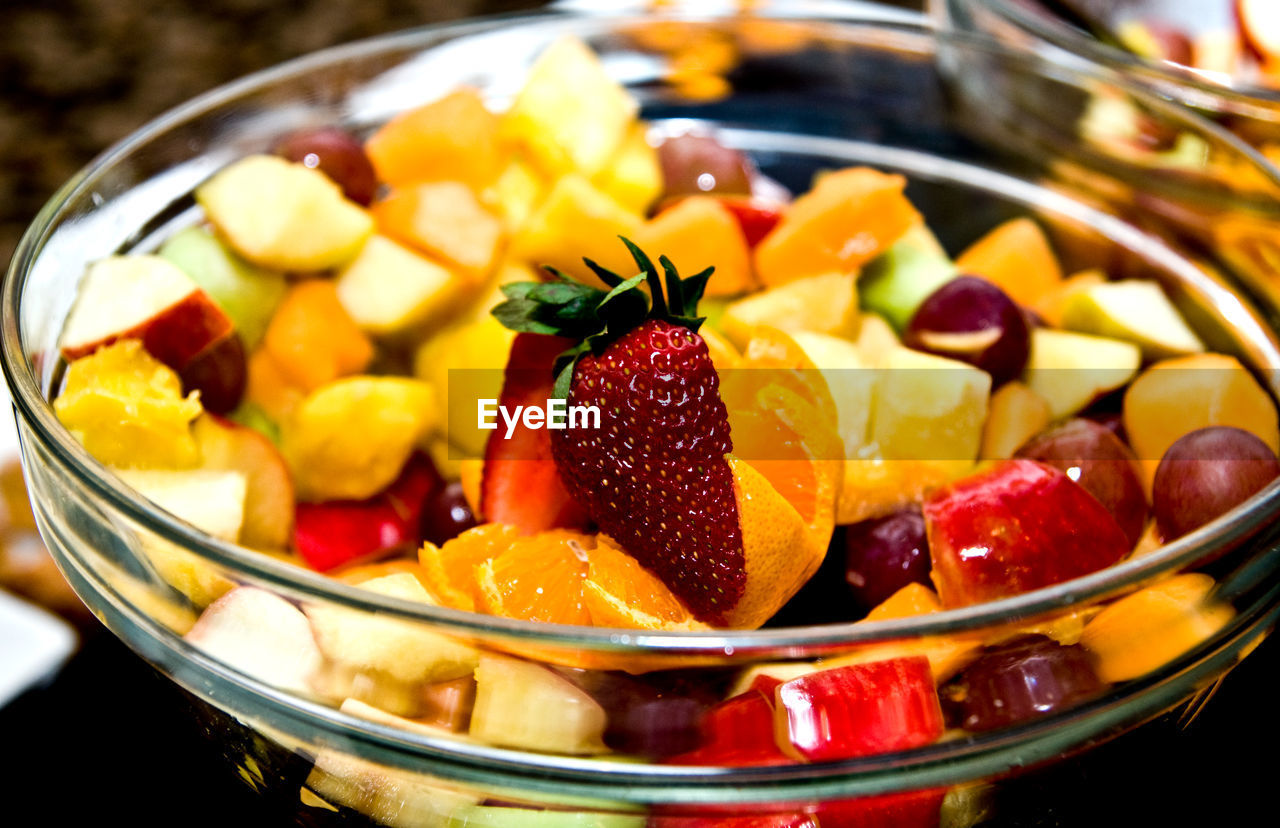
520, 485
654, 475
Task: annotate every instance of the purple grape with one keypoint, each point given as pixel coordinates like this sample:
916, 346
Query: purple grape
1030, 676
1205, 474
885, 554
446, 514
655, 715
695, 163
336, 153
1090, 454
974, 321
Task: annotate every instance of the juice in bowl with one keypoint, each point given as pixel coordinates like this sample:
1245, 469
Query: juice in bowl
595, 420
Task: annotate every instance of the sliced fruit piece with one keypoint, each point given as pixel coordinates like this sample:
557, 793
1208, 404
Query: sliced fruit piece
618, 592
846, 220
521, 485
261, 635
268, 516
873, 487
1051, 304
127, 408
858, 710
388, 289
443, 219
269, 391
454, 138
516, 192
247, 294
338, 154
700, 232
571, 115
1015, 414
1070, 370
312, 340
756, 216
633, 177
145, 298
826, 304
928, 407
467, 359
400, 649
898, 280
507, 689
537, 579
738, 732
450, 567
851, 382
1016, 257
1018, 526
282, 215
875, 339
349, 439
396, 798
1178, 396
1133, 310
574, 221
1144, 631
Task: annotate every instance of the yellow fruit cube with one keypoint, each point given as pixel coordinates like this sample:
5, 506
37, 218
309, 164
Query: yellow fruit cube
634, 176
389, 289
577, 219
349, 439
128, 410
472, 356
443, 219
826, 304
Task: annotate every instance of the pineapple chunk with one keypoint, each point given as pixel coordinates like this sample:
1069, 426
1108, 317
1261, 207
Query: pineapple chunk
127, 409
929, 408
633, 177
571, 116
826, 304
576, 220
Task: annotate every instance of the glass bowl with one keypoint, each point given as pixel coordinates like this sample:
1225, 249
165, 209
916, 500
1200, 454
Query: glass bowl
983, 133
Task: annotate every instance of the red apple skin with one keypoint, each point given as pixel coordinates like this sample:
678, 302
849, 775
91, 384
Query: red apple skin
737, 732
335, 533
859, 710
219, 373
174, 335
794, 819
269, 499
912, 809
1019, 526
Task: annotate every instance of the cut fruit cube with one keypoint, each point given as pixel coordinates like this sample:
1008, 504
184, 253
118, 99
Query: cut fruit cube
212, 501
312, 340
1133, 310
402, 650
452, 139
473, 355
516, 193
389, 289
898, 280
524, 705
284, 216
443, 219
851, 382
1051, 304
826, 304
577, 220
846, 220
1017, 258
227, 446
1071, 370
928, 407
1015, 415
700, 232
571, 115
633, 177
127, 408
262, 635
349, 439
875, 487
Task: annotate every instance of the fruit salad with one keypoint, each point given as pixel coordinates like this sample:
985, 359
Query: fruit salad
558, 365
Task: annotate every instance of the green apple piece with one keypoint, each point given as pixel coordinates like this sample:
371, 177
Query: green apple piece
284, 216
850, 379
827, 304
1070, 370
897, 281
246, 293
1135, 310
929, 407
389, 289
388, 796
493, 816
402, 650
524, 705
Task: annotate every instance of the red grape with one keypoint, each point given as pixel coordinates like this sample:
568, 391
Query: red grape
1033, 675
220, 373
656, 715
1205, 474
972, 320
1090, 454
885, 554
336, 153
446, 514
695, 163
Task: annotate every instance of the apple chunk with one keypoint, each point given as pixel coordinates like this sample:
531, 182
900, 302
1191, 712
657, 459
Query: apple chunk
1070, 370
1134, 310
927, 407
390, 289
260, 634
524, 705
145, 298
1019, 526
228, 446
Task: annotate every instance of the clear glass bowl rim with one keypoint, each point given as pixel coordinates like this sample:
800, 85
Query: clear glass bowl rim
251, 567
1249, 99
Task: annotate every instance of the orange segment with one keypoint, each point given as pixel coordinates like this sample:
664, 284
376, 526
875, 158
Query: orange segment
450, 569
619, 592
538, 578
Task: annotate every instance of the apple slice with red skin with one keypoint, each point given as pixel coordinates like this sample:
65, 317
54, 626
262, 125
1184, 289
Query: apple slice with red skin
146, 298
334, 533
520, 484
737, 732
911, 809
858, 710
269, 501
1018, 526
219, 372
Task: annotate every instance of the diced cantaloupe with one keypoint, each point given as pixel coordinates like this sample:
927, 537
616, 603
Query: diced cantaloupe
443, 219
453, 138
1016, 257
696, 233
312, 339
846, 220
